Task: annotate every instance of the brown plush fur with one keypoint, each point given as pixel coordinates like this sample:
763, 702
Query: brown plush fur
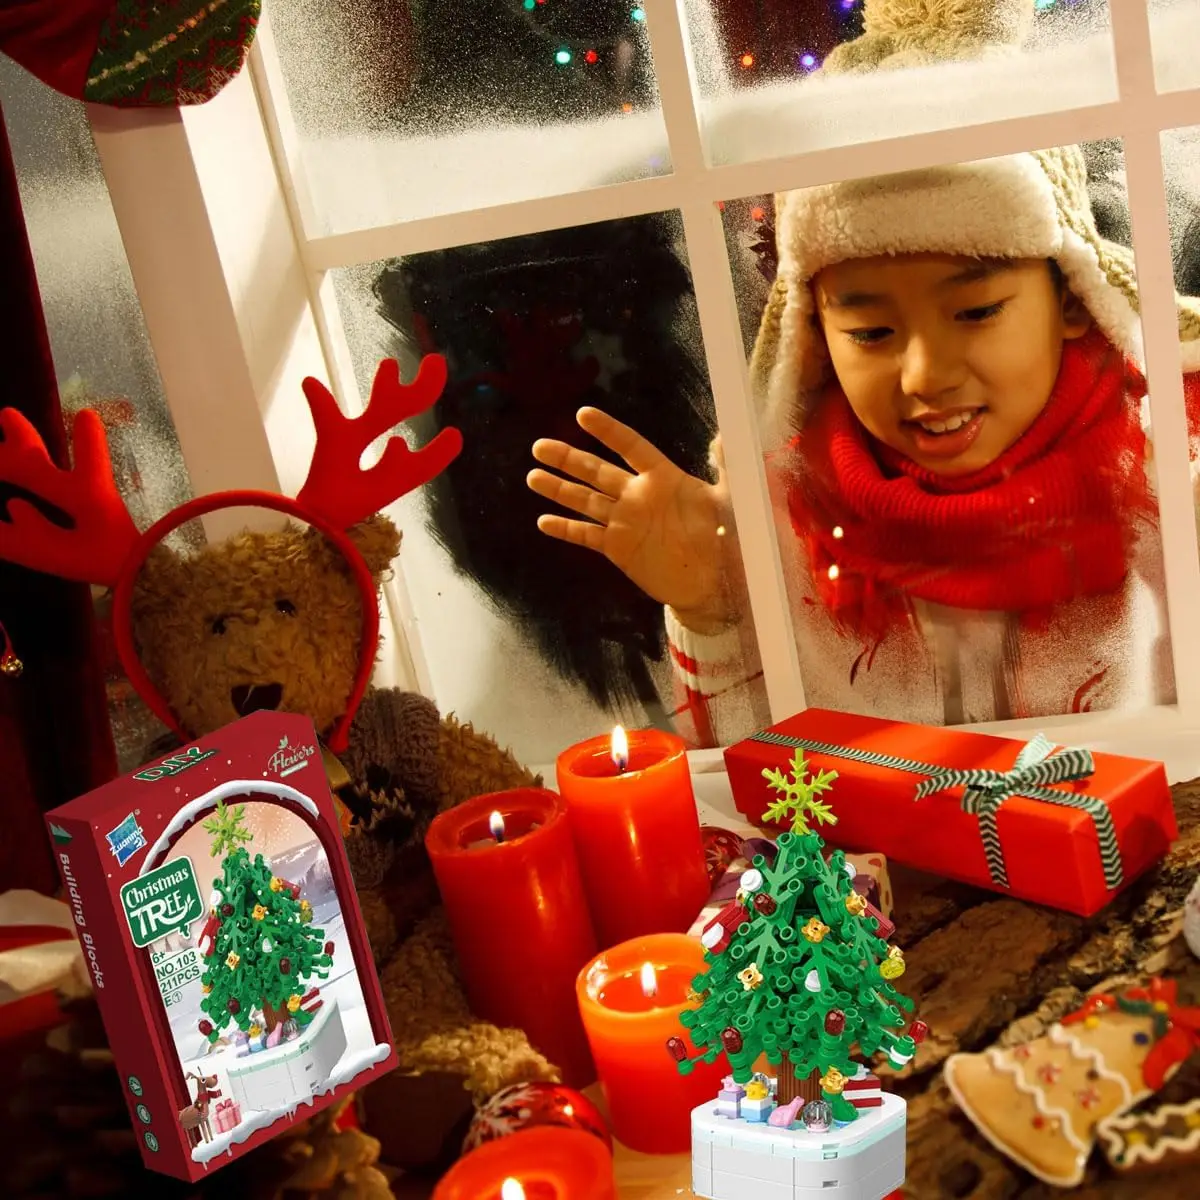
911, 33
216, 631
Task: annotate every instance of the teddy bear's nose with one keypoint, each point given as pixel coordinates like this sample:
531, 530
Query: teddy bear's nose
253, 697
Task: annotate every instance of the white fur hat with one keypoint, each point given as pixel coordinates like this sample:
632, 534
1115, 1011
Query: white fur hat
1029, 205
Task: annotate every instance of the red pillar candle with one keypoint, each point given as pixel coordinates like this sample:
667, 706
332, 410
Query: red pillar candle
636, 831
543, 1163
631, 997
506, 867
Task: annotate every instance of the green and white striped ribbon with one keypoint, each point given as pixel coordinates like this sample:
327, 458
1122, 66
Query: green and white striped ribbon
985, 791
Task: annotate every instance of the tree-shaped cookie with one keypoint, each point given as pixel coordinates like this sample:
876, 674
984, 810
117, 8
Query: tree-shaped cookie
803, 977
259, 943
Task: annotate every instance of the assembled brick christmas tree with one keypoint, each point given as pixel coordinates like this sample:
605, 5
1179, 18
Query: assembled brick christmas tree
797, 968
259, 942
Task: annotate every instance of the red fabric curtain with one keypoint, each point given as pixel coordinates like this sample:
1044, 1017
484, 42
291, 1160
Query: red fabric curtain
55, 741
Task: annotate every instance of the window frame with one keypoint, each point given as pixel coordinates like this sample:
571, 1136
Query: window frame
239, 305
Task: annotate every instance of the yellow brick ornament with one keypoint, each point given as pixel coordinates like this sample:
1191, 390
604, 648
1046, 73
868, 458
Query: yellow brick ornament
258, 912
293, 1003
276, 884
833, 1082
232, 959
751, 977
856, 905
815, 930
892, 967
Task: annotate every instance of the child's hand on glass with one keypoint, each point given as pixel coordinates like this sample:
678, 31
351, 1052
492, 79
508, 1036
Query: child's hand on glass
665, 529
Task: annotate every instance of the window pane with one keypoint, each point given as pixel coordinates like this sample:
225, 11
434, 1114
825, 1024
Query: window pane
536, 640
955, 441
411, 108
1175, 34
776, 77
102, 354
1181, 163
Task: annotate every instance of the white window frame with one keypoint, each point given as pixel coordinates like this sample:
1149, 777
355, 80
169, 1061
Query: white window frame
239, 306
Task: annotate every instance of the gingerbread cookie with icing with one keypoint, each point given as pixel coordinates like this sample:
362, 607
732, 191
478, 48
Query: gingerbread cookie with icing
1163, 1139
1044, 1104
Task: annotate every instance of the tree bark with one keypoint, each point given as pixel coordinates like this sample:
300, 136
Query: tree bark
789, 1087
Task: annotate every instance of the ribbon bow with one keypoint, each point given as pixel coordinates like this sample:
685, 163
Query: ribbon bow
222, 1105
1038, 764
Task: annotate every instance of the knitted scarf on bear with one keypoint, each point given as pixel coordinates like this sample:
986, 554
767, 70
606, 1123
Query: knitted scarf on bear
1054, 518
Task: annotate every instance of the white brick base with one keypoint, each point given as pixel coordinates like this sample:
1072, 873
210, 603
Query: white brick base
737, 1160
289, 1073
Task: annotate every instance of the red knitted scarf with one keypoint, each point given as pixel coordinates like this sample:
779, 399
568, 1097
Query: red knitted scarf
1053, 518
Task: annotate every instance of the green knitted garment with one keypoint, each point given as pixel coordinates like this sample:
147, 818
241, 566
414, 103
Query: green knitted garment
170, 52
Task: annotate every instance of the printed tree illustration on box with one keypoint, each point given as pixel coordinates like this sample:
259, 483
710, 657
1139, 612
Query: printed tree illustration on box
259, 943
799, 972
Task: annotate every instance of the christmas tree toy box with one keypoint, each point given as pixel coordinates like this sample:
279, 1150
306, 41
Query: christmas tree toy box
212, 896
1055, 825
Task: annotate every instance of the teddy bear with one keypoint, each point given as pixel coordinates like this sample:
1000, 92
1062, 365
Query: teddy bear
287, 619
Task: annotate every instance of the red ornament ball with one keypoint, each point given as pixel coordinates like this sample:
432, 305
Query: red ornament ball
721, 849
234, 1007
731, 1040
206, 1027
227, 910
676, 1049
835, 1022
527, 1105
285, 965
918, 1031
328, 947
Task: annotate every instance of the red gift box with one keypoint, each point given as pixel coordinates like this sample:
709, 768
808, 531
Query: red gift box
1055, 826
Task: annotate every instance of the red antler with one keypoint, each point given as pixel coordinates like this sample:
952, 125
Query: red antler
337, 487
100, 533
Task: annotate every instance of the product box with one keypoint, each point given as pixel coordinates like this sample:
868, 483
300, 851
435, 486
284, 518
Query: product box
218, 919
1054, 825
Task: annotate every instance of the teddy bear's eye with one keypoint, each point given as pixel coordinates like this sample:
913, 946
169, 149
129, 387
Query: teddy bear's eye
218, 625
286, 607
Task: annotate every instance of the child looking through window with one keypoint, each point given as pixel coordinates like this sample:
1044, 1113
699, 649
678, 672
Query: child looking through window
954, 420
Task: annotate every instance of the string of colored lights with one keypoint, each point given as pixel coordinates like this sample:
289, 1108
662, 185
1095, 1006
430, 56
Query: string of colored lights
566, 49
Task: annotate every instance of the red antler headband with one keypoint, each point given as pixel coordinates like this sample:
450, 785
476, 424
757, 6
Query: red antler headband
73, 523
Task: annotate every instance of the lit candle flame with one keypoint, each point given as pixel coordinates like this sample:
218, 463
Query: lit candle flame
496, 825
649, 980
510, 1189
838, 531
833, 571
620, 748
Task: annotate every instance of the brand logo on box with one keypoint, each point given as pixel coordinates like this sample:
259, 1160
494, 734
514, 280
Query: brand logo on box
126, 840
289, 759
162, 901
188, 757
